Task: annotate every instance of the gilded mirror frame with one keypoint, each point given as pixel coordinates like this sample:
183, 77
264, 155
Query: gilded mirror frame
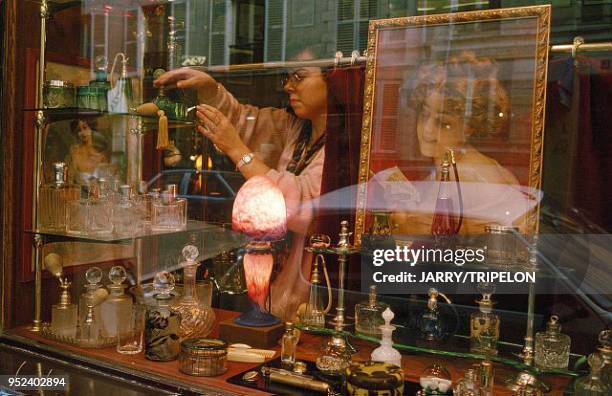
540, 57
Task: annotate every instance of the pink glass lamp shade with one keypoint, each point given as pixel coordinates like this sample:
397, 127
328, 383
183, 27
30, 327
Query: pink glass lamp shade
259, 212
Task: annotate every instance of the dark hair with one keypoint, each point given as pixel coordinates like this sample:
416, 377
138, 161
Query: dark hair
99, 141
91, 121
470, 89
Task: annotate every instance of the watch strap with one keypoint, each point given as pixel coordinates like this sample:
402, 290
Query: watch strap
245, 160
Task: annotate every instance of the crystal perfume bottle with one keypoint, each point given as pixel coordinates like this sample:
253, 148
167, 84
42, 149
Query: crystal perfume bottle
197, 319
89, 306
469, 385
64, 315
444, 224
592, 384
170, 213
91, 216
288, 346
368, 315
127, 220
552, 348
431, 324
484, 324
53, 199
116, 310
385, 352
162, 323
605, 348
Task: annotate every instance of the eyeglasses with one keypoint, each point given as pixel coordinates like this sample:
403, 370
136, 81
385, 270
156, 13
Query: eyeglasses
296, 77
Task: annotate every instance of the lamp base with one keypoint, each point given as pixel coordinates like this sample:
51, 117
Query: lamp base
256, 318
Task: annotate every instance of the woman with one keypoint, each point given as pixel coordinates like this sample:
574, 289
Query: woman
284, 145
88, 157
452, 105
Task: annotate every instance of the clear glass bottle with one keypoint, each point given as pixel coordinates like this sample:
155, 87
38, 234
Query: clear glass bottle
162, 322
288, 346
53, 199
91, 216
89, 307
552, 348
484, 324
592, 384
170, 213
197, 319
368, 315
64, 315
385, 352
127, 220
116, 310
469, 385
605, 339
314, 313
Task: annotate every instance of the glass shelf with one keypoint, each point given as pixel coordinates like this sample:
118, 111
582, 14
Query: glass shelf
193, 226
69, 113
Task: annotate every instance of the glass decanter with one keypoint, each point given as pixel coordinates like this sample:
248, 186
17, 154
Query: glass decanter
90, 216
116, 310
368, 315
127, 219
89, 306
169, 213
552, 348
197, 319
484, 324
53, 199
592, 384
162, 322
444, 224
469, 385
605, 339
436, 380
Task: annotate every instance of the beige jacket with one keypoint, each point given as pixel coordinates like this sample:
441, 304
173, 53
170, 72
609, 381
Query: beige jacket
272, 134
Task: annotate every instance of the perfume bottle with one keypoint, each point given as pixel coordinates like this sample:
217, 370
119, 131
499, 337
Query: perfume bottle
444, 224
469, 385
89, 306
592, 384
484, 324
120, 97
288, 346
173, 109
170, 213
552, 348
197, 319
91, 216
368, 315
314, 312
64, 315
435, 380
431, 324
385, 352
127, 219
53, 199
116, 310
605, 348
162, 323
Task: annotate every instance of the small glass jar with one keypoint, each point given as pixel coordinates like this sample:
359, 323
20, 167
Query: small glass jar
203, 357
436, 380
368, 315
58, 94
552, 348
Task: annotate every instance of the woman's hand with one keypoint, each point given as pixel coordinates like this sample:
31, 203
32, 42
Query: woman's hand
189, 78
215, 126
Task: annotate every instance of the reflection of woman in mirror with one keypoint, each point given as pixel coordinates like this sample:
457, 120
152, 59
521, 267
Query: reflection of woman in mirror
452, 104
89, 156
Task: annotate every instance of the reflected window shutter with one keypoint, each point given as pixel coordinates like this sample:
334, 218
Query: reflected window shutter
390, 111
275, 24
217, 33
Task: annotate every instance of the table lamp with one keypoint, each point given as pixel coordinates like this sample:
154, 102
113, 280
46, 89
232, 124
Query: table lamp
259, 212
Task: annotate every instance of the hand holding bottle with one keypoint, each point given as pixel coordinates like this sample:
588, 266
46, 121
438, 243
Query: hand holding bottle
185, 78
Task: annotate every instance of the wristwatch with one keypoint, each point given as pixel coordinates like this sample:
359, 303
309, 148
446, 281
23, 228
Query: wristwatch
245, 160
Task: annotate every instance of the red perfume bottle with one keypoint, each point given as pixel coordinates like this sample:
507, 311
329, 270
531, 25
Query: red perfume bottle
446, 224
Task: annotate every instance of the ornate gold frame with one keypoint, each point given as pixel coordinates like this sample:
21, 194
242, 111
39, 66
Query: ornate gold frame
542, 13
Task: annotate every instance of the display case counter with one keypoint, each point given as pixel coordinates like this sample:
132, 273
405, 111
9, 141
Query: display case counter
168, 373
